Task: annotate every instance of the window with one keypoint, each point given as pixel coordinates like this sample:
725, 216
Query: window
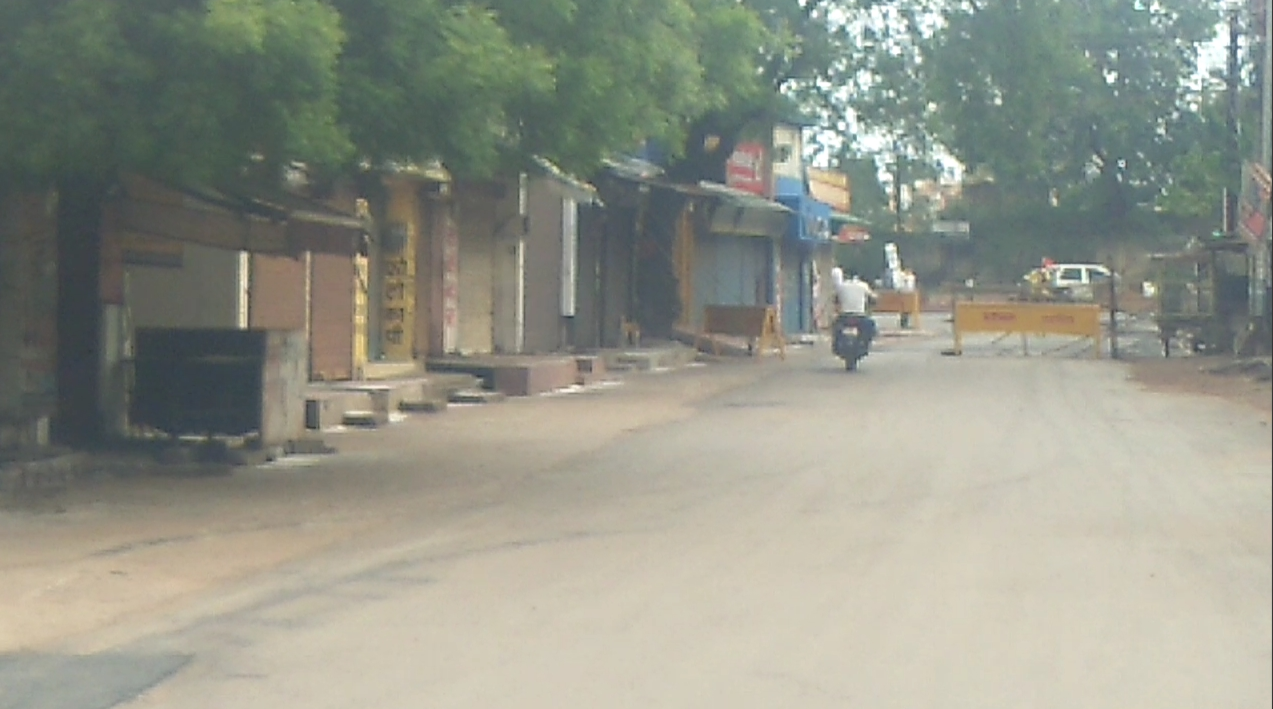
1071, 274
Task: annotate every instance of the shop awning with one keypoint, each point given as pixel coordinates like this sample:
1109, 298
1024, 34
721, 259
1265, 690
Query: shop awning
743, 213
733, 211
848, 229
257, 221
573, 187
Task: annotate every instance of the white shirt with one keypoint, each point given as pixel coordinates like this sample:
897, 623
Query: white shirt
854, 295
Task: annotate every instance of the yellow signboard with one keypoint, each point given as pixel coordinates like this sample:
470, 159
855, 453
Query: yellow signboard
1074, 320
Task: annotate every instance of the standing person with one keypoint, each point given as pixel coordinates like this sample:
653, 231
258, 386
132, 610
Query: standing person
908, 286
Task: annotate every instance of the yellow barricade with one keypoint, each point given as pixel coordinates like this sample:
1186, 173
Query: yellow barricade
895, 301
1073, 319
759, 324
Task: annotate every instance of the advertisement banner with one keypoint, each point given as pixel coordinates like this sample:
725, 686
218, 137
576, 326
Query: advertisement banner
745, 169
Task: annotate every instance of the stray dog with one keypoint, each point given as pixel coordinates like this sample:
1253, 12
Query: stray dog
631, 331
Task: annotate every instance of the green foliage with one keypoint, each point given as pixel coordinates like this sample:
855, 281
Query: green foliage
1074, 97
199, 89
623, 70
425, 79
785, 53
165, 86
870, 201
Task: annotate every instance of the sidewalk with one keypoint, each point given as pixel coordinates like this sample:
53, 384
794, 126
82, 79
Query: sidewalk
129, 543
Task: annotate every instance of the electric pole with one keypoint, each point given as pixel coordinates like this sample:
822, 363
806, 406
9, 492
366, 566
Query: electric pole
1234, 158
897, 186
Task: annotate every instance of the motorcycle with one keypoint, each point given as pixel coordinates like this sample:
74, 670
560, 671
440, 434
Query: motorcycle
851, 339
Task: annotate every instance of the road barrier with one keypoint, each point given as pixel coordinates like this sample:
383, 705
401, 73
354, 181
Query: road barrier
905, 303
1073, 319
759, 324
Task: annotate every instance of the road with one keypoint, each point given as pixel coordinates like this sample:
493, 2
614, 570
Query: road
980, 532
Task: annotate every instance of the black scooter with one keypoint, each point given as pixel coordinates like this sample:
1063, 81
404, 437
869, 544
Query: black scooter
851, 339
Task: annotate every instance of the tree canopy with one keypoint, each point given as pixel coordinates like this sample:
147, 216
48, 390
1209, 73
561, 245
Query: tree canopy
1083, 101
166, 86
1080, 100
197, 89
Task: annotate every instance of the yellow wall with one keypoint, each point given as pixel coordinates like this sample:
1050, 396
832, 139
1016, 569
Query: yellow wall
683, 258
398, 300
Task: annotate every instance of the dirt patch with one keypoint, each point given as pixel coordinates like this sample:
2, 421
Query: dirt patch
1208, 376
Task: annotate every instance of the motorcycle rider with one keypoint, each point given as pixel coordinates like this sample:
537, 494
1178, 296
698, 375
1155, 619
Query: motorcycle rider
852, 298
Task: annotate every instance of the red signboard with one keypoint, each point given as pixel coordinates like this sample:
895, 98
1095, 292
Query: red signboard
852, 234
1253, 206
745, 169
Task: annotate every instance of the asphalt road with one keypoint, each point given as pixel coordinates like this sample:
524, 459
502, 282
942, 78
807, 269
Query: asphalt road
982, 532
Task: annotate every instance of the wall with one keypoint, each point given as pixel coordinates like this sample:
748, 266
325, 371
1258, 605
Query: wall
795, 300
604, 274
28, 301
276, 292
788, 158
400, 238
438, 277
477, 224
203, 292
543, 282
508, 276
730, 270
332, 317
824, 291
283, 384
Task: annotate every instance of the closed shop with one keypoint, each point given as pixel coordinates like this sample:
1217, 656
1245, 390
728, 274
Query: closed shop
732, 270
544, 243
477, 228
277, 289
332, 318
795, 300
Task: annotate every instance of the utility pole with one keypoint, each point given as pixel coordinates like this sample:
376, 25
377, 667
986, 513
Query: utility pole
1234, 157
897, 185
1263, 264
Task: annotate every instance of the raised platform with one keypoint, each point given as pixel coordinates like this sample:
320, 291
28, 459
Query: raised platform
513, 375
369, 403
671, 355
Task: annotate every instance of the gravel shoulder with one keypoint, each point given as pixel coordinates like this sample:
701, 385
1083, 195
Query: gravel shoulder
1197, 376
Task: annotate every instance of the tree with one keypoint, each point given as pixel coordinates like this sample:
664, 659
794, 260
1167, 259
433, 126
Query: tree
187, 90
429, 79
803, 52
213, 91
623, 71
1076, 100
870, 201
168, 87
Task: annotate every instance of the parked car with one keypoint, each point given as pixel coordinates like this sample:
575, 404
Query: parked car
1070, 281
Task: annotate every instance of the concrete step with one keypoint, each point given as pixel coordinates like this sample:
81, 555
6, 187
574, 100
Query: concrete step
590, 369
381, 371
426, 406
514, 375
477, 396
308, 446
40, 473
440, 385
330, 404
649, 359
325, 409
368, 418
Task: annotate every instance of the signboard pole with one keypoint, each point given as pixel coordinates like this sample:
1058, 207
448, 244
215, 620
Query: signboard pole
1113, 316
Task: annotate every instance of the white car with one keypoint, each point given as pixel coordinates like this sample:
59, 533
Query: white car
1080, 281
